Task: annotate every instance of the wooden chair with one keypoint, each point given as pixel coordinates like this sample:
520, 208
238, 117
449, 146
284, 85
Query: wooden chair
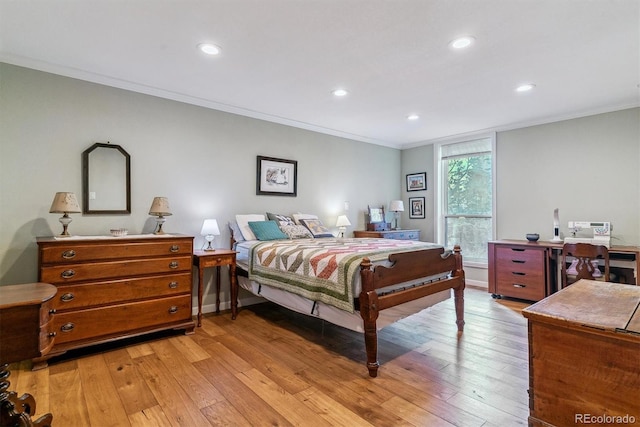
585, 262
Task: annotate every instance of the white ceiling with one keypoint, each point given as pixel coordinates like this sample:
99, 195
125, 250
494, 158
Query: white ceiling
282, 58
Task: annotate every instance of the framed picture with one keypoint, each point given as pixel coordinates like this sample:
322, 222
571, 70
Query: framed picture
417, 181
416, 207
276, 177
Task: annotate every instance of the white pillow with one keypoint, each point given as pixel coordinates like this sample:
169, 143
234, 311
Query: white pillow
243, 223
298, 216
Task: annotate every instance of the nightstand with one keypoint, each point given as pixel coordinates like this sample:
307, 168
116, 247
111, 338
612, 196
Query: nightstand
217, 258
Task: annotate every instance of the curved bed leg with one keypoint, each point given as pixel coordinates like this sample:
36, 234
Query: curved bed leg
369, 313
458, 293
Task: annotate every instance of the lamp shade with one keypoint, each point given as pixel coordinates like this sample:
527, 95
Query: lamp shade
342, 221
160, 207
396, 206
65, 202
210, 227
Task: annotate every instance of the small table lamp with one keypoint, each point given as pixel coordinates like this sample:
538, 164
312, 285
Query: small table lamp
396, 206
210, 230
65, 203
342, 224
160, 208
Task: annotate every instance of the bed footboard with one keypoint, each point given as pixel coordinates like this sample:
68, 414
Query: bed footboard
407, 266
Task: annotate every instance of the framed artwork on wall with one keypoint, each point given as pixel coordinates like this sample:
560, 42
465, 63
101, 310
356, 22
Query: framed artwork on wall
276, 177
416, 207
417, 181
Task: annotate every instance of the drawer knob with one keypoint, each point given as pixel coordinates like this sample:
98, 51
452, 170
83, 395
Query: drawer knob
519, 285
69, 254
52, 334
67, 297
173, 285
173, 264
174, 248
67, 327
518, 261
67, 274
173, 309
53, 311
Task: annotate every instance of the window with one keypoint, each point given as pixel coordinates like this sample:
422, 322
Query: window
466, 206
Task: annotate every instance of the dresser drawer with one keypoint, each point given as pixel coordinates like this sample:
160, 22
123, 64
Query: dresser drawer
403, 235
96, 323
519, 285
73, 273
115, 291
69, 252
526, 258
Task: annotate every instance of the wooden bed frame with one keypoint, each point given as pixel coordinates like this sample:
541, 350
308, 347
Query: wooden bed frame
406, 266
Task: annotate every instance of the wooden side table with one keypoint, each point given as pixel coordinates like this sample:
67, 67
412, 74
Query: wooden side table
217, 258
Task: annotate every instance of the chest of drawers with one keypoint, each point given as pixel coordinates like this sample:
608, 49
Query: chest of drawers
112, 288
520, 270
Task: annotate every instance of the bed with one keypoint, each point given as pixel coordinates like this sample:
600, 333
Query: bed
362, 284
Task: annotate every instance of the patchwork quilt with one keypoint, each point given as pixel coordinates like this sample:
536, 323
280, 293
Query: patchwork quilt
321, 269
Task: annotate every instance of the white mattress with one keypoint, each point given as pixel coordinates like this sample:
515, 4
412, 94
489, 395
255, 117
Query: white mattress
327, 312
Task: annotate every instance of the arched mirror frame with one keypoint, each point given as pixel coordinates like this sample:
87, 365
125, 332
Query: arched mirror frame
86, 166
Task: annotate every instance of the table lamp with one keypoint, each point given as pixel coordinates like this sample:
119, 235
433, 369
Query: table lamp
160, 209
342, 224
396, 206
65, 203
210, 230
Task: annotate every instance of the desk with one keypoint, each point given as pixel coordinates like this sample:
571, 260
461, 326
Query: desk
584, 355
217, 258
24, 321
530, 270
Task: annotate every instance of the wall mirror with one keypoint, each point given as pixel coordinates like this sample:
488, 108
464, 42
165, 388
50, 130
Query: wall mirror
375, 219
106, 180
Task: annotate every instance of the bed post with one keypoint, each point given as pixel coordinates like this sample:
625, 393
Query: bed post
458, 293
369, 313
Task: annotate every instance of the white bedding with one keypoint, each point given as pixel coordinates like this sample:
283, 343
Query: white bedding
327, 312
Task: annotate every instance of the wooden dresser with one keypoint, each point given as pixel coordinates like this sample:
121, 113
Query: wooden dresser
389, 234
584, 356
520, 269
116, 287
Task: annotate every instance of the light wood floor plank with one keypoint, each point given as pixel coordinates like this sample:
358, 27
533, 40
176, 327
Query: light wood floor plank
98, 390
174, 401
278, 398
329, 409
150, 417
135, 394
201, 392
414, 414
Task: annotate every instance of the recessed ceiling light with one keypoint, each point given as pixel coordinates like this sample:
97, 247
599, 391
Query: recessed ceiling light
525, 87
413, 117
462, 42
340, 92
209, 49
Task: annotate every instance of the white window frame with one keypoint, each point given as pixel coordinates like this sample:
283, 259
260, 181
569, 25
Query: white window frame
440, 198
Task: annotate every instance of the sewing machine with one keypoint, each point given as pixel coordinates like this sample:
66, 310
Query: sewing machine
600, 233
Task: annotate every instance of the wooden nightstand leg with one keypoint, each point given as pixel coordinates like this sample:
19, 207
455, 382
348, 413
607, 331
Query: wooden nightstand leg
218, 289
200, 290
233, 284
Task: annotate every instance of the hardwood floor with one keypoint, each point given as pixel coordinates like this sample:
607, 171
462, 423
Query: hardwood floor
273, 367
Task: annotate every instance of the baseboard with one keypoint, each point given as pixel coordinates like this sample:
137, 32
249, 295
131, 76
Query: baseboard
226, 305
476, 284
